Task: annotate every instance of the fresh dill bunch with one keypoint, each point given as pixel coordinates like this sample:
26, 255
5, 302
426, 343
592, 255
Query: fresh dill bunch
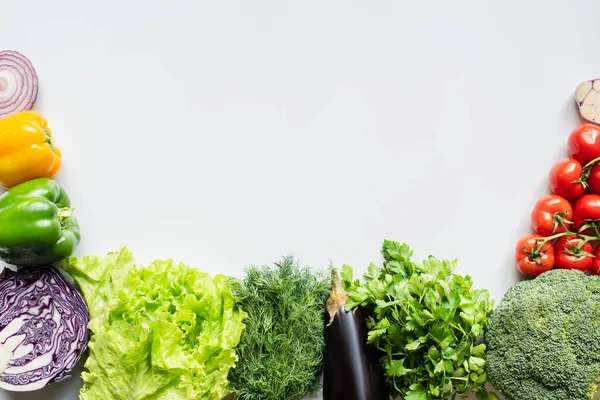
281, 348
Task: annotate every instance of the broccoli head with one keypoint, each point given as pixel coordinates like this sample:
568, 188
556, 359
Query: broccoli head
543, 339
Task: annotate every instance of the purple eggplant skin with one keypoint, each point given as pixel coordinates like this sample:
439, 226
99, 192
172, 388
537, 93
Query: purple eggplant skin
351, 368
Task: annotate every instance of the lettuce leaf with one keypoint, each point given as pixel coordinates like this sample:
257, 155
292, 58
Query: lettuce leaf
161, 331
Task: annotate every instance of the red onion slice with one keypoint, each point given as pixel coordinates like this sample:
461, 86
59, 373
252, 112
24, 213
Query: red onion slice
18, 83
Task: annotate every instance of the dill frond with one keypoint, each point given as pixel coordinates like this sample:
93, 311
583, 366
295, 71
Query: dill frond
281, 348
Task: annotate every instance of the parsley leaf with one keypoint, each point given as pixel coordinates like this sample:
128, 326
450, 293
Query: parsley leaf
426, 320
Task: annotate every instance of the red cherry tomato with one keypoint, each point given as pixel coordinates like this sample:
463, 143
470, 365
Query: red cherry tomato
570, 254
563, 176
532, 257
586, 211
584, 143
548, 212
593, 180
596, 261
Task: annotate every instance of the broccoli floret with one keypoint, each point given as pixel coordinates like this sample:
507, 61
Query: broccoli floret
543, 339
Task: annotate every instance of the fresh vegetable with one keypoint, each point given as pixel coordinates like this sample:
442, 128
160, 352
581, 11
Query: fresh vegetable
426, 320
571, 252
26, 149
43, 328
588, 101
351, 369
570, 248
281, 349
161, 331
587, 214
589, 175
596, 261
593, 180
551, 214
534, 256
584, 143
543, 340
18, 83
564, 177
36, 224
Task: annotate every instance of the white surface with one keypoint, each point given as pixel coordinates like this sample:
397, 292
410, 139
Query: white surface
228, 133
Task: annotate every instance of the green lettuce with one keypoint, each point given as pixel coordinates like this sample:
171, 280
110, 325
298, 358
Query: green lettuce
161, 331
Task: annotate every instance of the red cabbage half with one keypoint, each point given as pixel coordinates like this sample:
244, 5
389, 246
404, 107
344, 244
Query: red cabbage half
43, 328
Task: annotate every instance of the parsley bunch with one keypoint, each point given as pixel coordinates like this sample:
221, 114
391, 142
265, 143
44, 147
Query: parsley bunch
281, 349
426, 321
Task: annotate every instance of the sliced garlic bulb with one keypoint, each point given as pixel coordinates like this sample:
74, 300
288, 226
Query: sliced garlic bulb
588, 99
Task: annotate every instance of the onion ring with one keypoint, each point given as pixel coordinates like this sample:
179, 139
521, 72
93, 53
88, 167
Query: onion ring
18, 83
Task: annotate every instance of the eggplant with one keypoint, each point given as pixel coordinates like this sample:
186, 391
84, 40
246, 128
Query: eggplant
351, 368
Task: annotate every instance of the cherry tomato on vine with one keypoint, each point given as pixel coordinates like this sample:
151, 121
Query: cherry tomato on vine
596, 261
587, 212
571, 253
584, 143
563, 177
551, 214
533, 257
593, 179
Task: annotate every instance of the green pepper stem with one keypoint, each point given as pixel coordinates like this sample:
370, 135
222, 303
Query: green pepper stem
64, 214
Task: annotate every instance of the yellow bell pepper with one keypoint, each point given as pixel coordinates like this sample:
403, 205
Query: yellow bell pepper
26, 149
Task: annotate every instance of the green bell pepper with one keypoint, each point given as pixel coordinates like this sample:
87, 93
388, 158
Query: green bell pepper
36, 224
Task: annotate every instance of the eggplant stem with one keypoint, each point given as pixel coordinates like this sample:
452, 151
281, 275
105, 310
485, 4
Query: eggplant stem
337, 298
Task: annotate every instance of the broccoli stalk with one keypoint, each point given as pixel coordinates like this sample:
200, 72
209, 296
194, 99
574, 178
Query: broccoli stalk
543, 339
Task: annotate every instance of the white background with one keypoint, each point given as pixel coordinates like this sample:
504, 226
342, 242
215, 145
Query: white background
226, 133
